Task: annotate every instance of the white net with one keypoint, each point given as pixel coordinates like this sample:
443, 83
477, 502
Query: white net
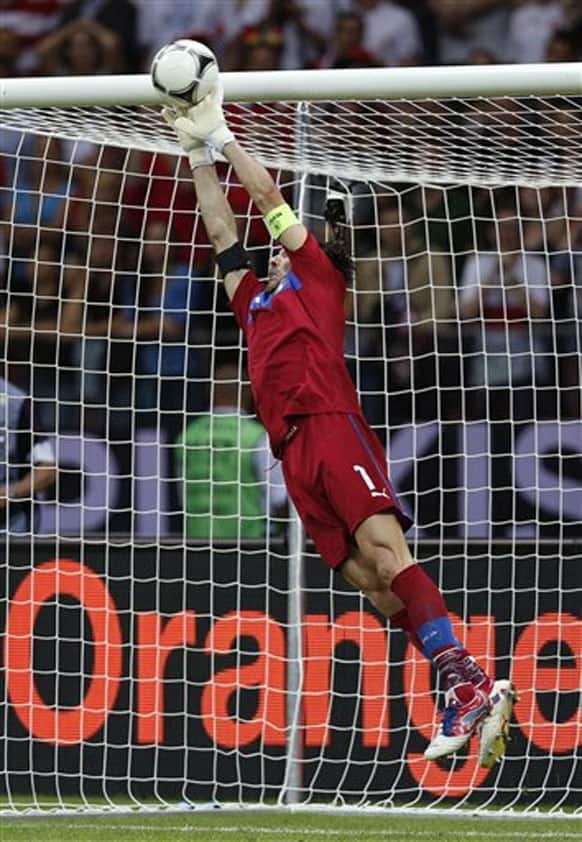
145, 603
481, 141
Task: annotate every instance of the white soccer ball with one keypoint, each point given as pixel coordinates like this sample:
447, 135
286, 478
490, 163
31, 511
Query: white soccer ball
185, 71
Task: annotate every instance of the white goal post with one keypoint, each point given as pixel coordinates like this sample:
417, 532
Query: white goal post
148, 666
293, 85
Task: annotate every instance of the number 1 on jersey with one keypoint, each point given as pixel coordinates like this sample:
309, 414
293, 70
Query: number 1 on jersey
359, 469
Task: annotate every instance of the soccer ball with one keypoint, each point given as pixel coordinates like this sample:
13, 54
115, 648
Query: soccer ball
185, 71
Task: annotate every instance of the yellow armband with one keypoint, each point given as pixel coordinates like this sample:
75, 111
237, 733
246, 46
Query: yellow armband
279, 219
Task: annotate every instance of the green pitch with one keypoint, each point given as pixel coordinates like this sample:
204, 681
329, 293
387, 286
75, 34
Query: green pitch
278, 827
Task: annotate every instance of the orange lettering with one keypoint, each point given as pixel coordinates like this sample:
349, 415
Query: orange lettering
155, 646
532, 677
62, 578
318, 650
266, 674
367, 632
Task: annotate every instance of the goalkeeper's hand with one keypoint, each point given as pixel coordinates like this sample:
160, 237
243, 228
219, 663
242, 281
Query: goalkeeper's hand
199, 153
205, 121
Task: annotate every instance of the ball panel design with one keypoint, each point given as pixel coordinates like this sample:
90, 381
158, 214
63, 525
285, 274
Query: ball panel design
185, 71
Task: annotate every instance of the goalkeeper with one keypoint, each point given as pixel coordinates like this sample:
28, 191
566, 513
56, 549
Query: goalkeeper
334, 466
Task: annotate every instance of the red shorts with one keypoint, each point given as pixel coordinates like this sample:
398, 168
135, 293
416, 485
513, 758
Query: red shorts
336, 475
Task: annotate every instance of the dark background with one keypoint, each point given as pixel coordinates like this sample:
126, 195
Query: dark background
514, 584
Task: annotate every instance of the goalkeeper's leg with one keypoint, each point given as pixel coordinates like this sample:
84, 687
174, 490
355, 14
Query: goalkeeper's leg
362, 576
400, 589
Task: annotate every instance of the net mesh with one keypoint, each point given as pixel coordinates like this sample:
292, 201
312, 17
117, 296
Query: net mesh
145, 602
482, 141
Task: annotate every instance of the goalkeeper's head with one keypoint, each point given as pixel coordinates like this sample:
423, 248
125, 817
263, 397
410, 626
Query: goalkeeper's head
336, 249
336, 245
279, 265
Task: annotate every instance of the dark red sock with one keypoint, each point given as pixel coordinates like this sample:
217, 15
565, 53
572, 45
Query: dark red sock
400, 621
426, 610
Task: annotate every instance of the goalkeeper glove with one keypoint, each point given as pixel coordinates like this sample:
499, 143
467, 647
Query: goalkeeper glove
199, 154
206, 121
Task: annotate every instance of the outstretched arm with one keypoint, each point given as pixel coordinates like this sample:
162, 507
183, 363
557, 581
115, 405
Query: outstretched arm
205, 123
216, 213
218, 219
263, 191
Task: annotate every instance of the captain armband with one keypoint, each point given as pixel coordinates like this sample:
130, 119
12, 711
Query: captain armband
233, 258
279, 220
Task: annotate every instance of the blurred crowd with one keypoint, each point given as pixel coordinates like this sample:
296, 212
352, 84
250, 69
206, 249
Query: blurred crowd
468, 301
108, 300
468, 305
110, 36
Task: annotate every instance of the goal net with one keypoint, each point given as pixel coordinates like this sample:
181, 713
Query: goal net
169, 639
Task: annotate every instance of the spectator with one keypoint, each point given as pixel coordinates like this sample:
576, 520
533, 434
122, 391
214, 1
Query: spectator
409, 292
531, 27
204, 20
161, 23
390, 32
159, 325
40, 323
81, 48
481, 55
574, 18
9, 53
469, 25
260, 49
381, 301
305, 28
545, 216
566, 264
41, 183
443, 219
27, 460
96, 203
101, 318
504, 296
27, 21
224, 459
116, 16
158, 188
5, 232
347, 48
228, 32
426, 24
227, 28
563, 46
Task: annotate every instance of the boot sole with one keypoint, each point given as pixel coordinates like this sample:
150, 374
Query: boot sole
494, 731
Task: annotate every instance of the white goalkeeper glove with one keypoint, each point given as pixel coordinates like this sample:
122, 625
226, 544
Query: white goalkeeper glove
206, 121
199, 153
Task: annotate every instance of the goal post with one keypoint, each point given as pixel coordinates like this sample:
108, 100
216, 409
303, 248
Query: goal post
146, 665
563, 78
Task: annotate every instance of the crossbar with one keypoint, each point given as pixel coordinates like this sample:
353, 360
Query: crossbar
309, 85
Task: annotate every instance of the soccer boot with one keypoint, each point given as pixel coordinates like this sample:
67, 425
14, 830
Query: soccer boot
494, 731
460, 719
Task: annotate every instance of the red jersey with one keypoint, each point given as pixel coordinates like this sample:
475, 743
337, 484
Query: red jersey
295, 338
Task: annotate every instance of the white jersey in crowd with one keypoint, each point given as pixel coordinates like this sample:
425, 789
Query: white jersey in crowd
391, 33
320, 18
531, 29
163, 22
486, 31
506, 342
